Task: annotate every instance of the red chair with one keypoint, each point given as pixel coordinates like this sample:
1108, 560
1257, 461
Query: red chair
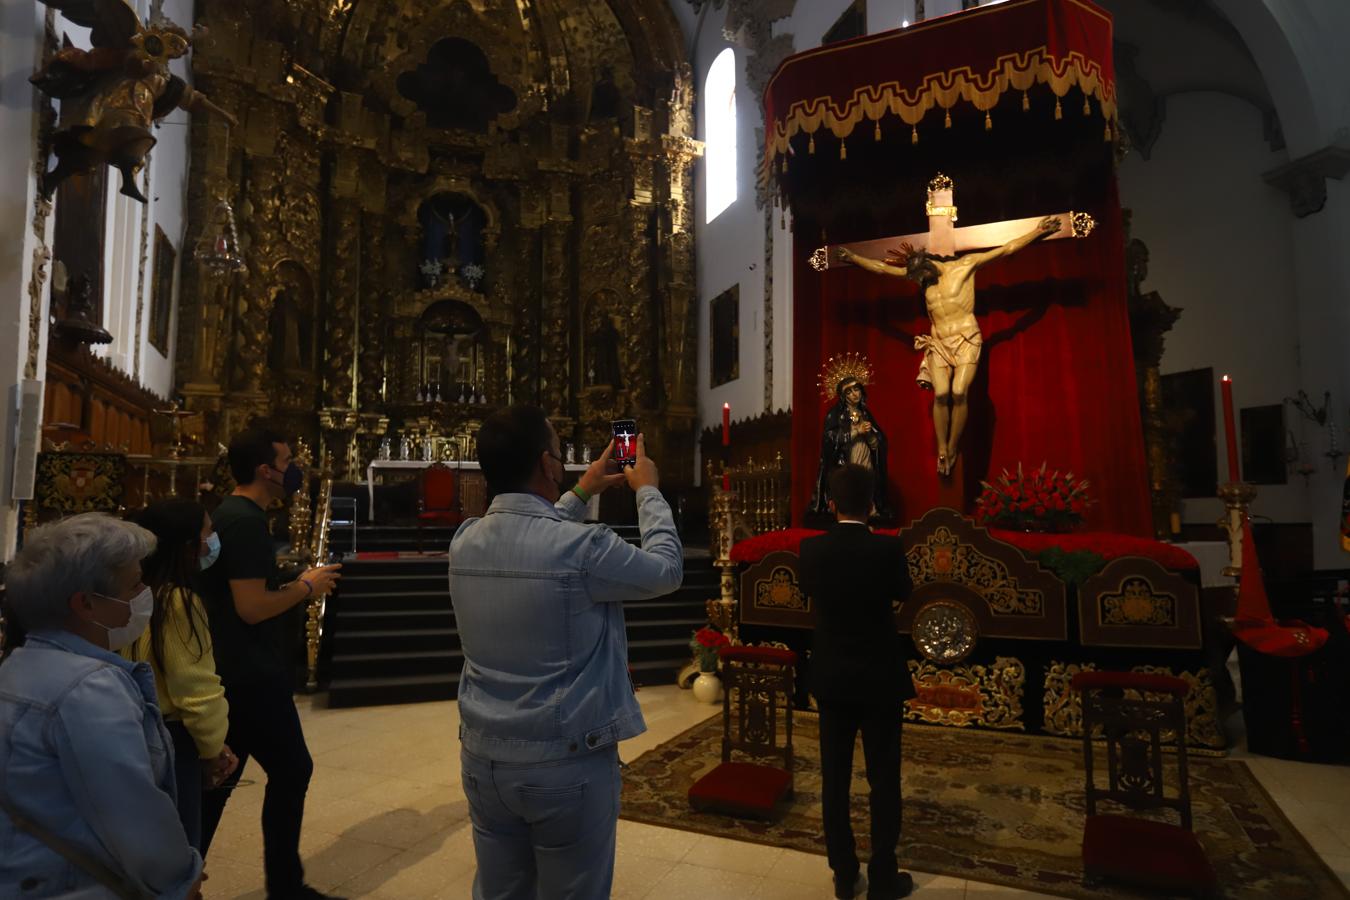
1143, 852
758, 683
438, 500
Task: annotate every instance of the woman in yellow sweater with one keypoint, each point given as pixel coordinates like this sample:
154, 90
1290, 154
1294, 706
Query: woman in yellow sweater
177, 645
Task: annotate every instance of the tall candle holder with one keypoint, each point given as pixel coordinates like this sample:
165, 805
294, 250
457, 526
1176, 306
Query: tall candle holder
1237, 497
722, 610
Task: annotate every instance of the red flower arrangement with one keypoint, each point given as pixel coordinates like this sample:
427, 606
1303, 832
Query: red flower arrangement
1041, 500
705, 644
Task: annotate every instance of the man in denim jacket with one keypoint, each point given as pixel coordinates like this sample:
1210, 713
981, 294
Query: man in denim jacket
545, 695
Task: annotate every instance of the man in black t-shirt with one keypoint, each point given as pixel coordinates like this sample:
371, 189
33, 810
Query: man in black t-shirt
252, 631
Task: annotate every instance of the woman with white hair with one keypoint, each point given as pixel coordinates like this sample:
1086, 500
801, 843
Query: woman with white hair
86, 766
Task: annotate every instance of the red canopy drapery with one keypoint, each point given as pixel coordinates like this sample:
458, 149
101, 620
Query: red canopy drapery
1024, 86
973, 57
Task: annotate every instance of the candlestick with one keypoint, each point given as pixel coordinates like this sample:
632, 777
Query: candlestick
726, 480
726, 424
1230, 429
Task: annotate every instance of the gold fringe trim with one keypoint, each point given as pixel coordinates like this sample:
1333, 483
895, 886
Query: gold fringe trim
1013, 71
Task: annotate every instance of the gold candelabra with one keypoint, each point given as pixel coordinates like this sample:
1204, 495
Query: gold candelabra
722, 609
314, 609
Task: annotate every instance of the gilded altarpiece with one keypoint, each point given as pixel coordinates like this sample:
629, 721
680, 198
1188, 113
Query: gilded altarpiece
445, 207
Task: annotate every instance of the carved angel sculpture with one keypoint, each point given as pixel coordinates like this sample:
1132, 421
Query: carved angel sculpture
111, 93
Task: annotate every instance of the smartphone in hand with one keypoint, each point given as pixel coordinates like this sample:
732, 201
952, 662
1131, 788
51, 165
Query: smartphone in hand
625, 442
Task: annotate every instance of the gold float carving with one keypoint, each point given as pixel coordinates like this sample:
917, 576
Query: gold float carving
943, 557
780, 591
987, 695
1064, 713
1136, 603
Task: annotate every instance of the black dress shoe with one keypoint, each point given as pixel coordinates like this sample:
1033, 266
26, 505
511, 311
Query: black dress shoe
903, 886
847, 889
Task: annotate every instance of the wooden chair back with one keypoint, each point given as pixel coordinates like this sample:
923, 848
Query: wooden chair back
759, 687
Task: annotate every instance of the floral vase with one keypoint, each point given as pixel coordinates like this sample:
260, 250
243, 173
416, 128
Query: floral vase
708, 687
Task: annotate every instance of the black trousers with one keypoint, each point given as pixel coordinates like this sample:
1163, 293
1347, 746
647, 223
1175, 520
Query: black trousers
264, 725
880, 727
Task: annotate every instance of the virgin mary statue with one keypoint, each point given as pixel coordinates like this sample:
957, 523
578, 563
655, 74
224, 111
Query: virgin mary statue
851, 433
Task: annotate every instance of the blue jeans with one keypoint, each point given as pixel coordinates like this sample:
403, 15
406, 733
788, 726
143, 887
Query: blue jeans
544, 830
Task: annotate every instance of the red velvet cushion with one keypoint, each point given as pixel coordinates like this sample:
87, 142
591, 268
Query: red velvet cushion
741, 789
775, 656
1146, 853
1139, 681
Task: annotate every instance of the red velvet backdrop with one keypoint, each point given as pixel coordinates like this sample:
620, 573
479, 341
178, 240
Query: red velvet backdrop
1056, 380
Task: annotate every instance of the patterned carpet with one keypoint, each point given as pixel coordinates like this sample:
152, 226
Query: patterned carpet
992, 807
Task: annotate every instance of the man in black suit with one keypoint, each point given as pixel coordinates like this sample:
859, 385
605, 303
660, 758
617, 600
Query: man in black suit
860, 678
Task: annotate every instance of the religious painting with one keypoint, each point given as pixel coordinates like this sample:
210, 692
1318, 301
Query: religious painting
77, 245
852, 23
1188, 403
161, 291
1263, 444
724, 330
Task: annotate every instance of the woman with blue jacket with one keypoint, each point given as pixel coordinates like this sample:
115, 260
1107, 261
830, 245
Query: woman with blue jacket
86, 766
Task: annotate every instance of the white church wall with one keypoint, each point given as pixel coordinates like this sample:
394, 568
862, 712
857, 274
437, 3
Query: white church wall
1220, 247
21, 32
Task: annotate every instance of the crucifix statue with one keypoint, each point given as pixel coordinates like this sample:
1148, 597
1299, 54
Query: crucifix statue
952, 350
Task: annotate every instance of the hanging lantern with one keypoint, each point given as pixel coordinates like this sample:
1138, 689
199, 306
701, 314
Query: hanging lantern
218, 247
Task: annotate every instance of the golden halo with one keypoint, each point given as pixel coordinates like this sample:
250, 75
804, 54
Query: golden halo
940, 182
842, 366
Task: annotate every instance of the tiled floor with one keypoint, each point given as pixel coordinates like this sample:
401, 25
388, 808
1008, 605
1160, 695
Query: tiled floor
386, 818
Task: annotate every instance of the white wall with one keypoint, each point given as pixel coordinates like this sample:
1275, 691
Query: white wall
21, 30
1221, 247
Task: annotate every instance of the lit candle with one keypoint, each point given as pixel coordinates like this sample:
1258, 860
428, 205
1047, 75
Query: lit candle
726, 424
1230, 429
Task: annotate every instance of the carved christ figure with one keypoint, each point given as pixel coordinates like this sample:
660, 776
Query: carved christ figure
951, 353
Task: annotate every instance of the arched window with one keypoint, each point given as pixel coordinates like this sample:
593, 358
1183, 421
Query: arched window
719, 133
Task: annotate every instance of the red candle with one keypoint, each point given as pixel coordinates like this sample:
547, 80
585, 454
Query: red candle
726, 424
726, 481
1230, 429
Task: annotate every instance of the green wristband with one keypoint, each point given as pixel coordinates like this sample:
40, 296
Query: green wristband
581, 493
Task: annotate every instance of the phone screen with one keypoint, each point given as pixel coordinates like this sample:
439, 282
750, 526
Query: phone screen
625, 442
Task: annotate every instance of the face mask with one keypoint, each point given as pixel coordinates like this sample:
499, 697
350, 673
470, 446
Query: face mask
212, 550
142, 605
292, 479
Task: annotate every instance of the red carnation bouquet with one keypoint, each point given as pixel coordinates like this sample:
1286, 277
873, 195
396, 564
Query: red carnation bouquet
705, 644
1040, 500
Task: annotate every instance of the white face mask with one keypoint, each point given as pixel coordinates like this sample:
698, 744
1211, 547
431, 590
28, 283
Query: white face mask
142, 605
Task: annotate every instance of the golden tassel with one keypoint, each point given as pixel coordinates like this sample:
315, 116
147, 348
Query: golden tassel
913, 134
785, 164
843, 149
988, 122
1087, 106
1106, 136
947, 120
1026, 102
876, 132
811, 145
1059, 110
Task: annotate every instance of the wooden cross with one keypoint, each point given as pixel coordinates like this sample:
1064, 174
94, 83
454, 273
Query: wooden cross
943, 238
